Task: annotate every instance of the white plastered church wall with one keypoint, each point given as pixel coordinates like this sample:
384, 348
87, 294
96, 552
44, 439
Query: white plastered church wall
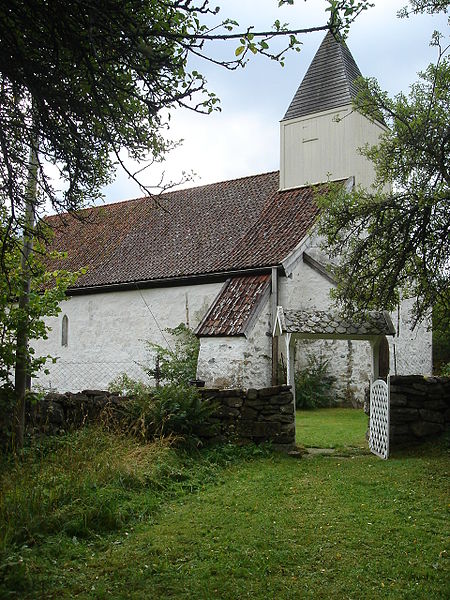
107, 333
410, 350
350, 361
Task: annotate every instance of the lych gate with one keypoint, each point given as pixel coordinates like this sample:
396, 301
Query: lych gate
373, 327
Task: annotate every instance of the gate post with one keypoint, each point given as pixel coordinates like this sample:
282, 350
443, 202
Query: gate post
290, 379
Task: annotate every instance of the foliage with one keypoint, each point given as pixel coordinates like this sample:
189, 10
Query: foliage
47, 291
441, 339
81, 81
170, 410
394, 243
175, 408
445, 370
176, 365
313, 384
424, 6
126, 386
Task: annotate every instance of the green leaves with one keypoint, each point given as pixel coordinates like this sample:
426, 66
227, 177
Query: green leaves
395, 244
177, 365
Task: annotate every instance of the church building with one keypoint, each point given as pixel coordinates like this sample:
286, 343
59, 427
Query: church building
238, 262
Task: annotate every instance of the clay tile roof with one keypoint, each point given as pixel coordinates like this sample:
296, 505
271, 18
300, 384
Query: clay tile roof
319, 322
234, 307
229, 226
329, 81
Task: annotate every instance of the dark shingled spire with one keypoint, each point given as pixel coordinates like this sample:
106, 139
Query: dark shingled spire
329, 81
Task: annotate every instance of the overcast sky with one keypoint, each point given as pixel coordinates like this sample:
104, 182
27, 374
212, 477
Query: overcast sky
244, 138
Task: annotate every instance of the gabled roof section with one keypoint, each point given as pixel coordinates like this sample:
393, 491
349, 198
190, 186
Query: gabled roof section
329, 81
234, 308
219, 228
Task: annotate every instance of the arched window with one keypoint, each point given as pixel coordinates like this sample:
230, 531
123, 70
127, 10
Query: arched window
65, 331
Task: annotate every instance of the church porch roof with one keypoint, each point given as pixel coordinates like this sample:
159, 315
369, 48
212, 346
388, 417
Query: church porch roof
234, 308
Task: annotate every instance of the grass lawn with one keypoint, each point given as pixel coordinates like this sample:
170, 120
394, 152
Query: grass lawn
235, 523
331, 428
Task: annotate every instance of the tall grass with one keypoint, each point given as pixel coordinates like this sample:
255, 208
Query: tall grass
77, 484
93, 481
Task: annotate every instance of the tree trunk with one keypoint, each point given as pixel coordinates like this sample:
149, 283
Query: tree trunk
22, 356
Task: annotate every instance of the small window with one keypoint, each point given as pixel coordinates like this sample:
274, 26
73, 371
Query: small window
65, 331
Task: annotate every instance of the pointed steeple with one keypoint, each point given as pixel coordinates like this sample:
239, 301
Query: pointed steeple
321, 134
329, 82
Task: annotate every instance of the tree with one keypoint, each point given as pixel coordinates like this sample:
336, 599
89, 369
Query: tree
395, 244
47, 290
80, 81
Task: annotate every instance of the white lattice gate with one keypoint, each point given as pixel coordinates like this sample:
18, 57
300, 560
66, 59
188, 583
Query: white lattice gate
379, 418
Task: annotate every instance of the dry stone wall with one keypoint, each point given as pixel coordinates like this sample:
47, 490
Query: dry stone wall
57, 413
261, 415
420, 408
256, 415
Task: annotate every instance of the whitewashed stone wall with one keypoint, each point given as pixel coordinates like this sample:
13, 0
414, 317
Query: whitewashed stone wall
227, 362
410, 350
350, 362
107, 333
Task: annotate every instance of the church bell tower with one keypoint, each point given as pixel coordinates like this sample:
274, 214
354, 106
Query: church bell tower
321, 133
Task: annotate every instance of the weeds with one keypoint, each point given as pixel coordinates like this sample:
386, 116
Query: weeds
77, 484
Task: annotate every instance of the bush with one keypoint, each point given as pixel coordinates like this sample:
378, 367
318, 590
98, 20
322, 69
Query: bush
177, 365
175, 409
125, 386
445, 370
314, 384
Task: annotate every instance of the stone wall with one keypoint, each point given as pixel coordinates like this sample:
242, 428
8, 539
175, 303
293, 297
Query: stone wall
57, 413
248, 415
420, 408
261, 415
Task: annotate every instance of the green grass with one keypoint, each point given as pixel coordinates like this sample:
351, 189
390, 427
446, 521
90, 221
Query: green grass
331, 428
235, 523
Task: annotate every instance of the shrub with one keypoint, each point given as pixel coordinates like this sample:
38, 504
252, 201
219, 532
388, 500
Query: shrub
445, 370
177, 365
174, 409
125, 386
314, 384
